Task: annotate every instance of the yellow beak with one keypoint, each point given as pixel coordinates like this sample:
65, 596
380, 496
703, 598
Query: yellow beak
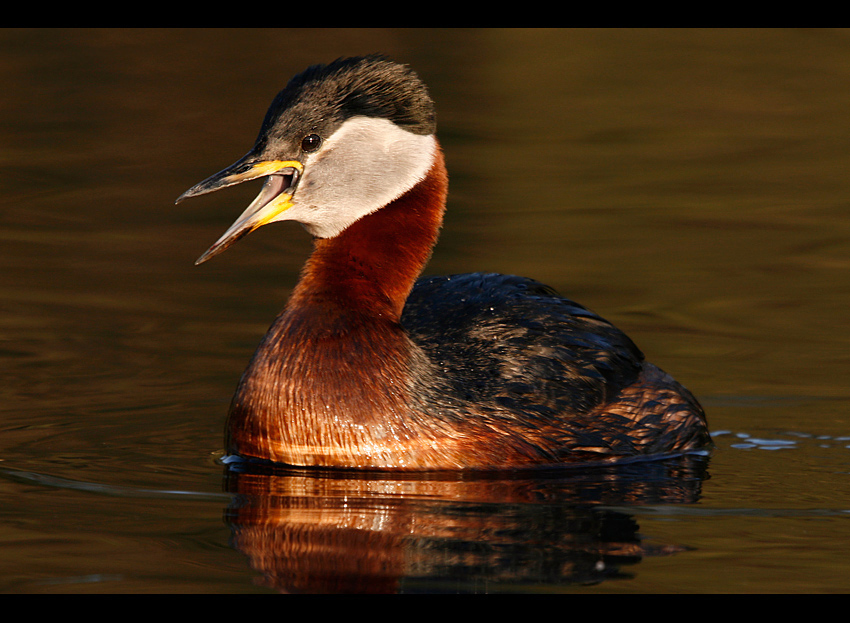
275, 198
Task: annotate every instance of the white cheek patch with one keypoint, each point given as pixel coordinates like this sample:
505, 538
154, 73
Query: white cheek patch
362, 167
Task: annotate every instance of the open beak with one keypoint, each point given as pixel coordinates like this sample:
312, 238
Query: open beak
275, 198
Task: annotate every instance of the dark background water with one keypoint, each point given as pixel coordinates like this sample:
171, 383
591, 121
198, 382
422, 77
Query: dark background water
689, 185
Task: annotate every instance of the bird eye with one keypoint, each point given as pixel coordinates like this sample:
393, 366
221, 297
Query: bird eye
311, 142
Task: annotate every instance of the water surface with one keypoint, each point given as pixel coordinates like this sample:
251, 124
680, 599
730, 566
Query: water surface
690, 186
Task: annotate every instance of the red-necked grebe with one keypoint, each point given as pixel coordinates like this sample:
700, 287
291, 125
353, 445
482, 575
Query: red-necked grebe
369, 366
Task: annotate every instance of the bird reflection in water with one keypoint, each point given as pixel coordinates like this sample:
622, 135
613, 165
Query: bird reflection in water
324, 531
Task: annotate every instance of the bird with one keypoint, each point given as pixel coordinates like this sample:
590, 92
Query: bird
372, 366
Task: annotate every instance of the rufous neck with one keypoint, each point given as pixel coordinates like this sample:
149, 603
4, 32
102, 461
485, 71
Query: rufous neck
371, 266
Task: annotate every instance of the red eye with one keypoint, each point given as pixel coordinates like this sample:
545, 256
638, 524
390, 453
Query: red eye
311, 142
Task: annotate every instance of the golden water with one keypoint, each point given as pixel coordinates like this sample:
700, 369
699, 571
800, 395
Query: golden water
691, 186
